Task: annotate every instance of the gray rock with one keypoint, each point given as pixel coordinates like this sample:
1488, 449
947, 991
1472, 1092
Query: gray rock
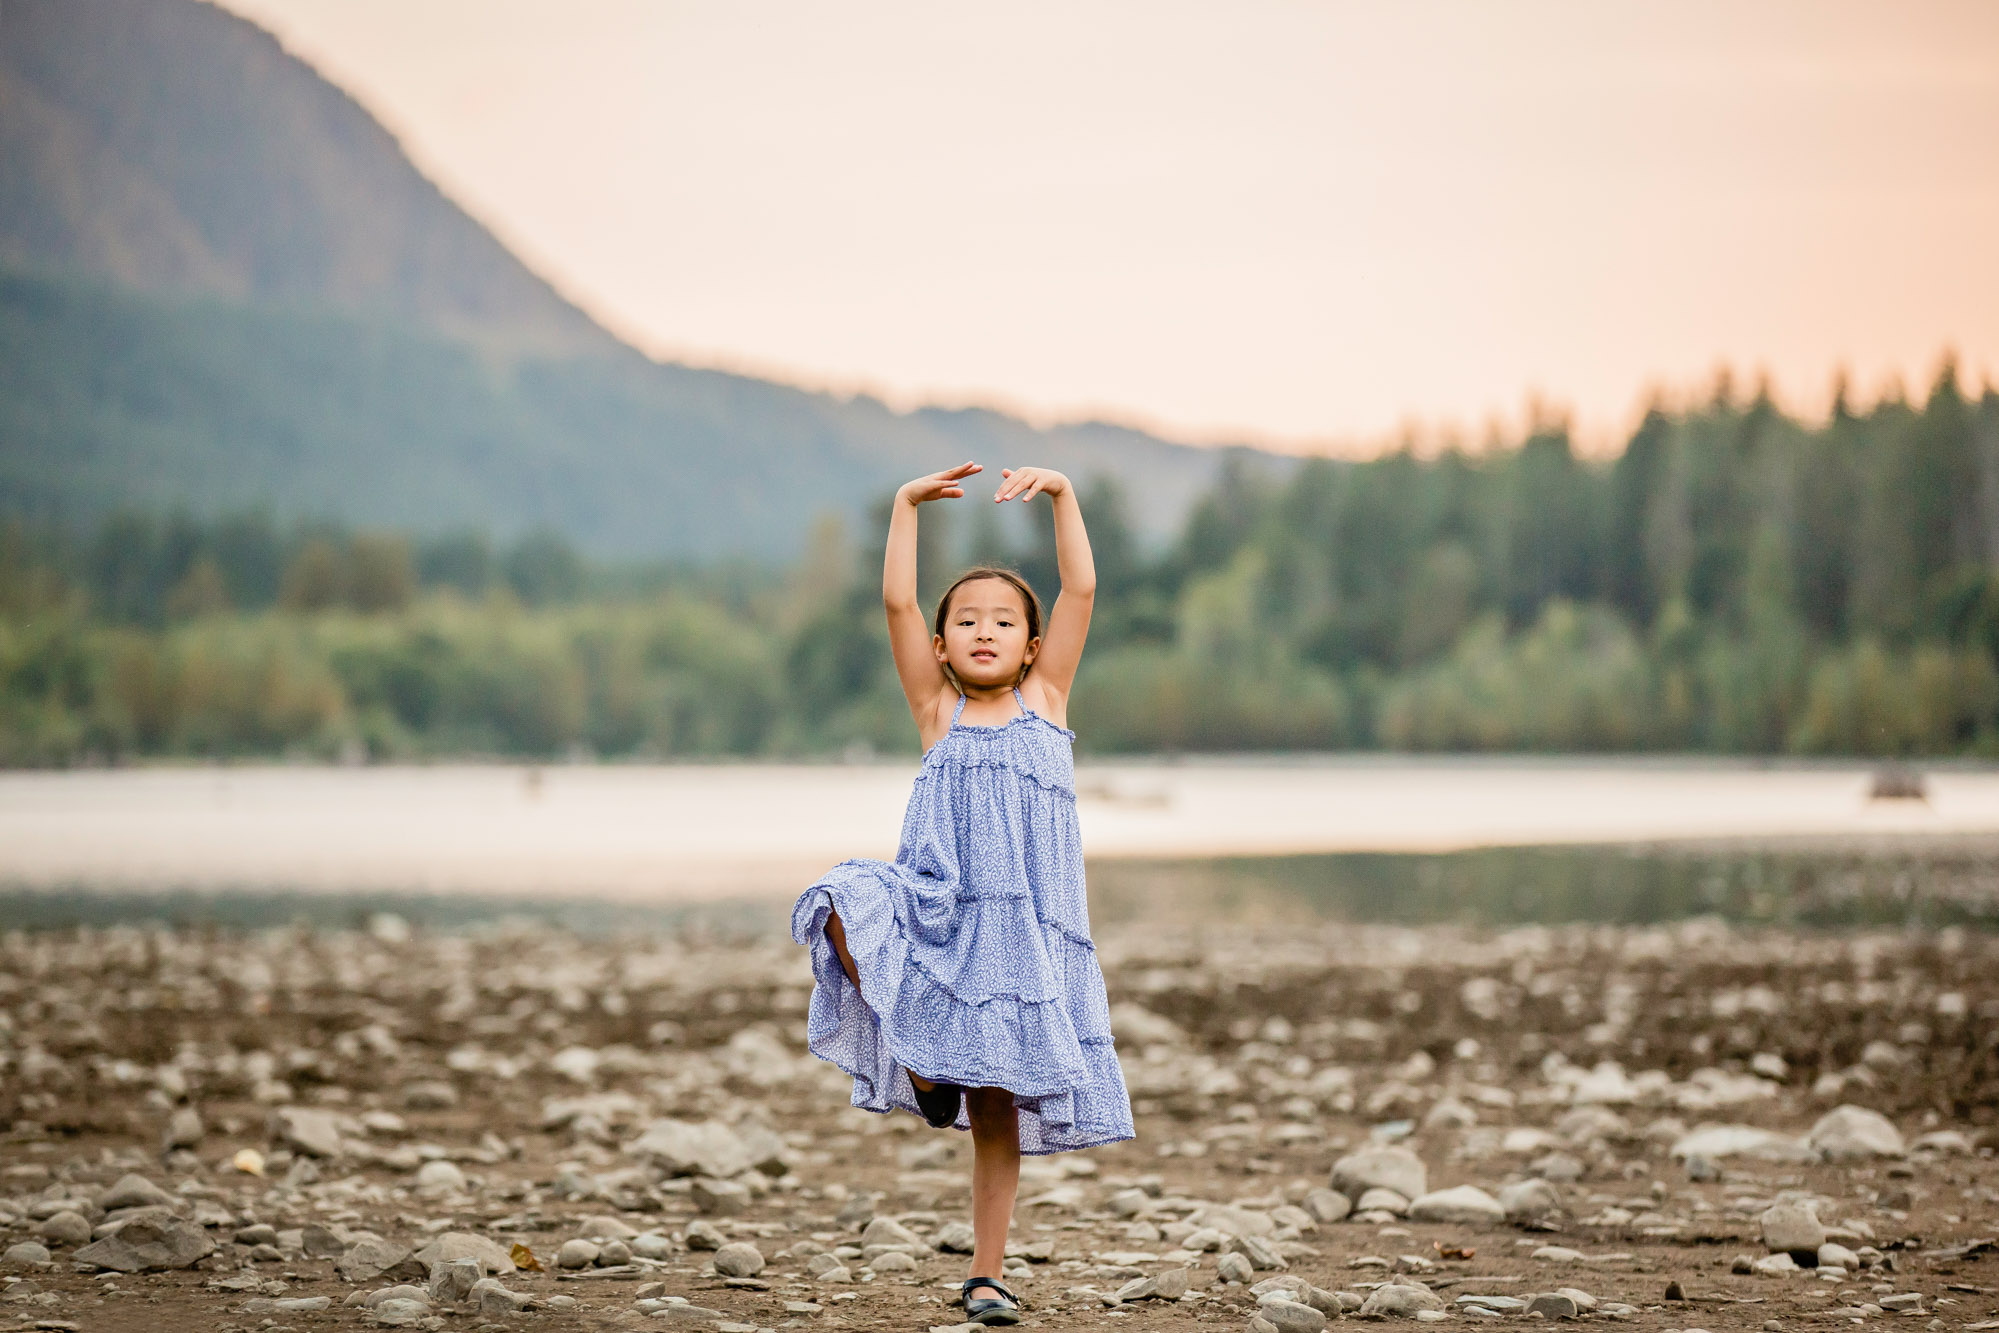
1262, 1255
1529, 1200
454, 1245
134, 1191
1716, 1142
1502, 1304
955, 1238
1700, 1168
1838, 1256
720, 1198
1584, 1301
856, 1211
893, 1261
651, 1245
257, 1233
1852, 1133
1559, 1254
888, 1231
184, 1130
1464, 1205
452, 1281
440, 1177
1381, 1200
820, 1264
1901, 1300
287, 1305
1388, 1168
372, 1257
318, 1242
429, 1095
1138, 1289
27, 1254
308, 1130
400, 1292
494, 1300
693, 1148
614, 1254
1293, 1316
576, 1254
1128, 1203
1551, 1305
1231, 1221
1565, 1168
605, 1227
1234, 1268
1328, 1205
739, 1259
1397, 1298
1172, 1284
148, 1245
704, 1236
64, 1228
1290, 1215
1791, 1227
1449, 1113
399, 1312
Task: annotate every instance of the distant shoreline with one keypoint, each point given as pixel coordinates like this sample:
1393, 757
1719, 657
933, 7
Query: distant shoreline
704, 833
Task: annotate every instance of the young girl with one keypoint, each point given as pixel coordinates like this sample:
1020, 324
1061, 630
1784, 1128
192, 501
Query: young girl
959, 981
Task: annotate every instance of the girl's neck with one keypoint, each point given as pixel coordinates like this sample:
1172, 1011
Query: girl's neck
985, 694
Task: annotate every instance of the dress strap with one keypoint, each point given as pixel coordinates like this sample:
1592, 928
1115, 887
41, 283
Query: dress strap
1022, 702
959, 709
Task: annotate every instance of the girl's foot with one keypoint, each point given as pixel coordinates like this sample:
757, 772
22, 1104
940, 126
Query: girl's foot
987, 1302
938, 1101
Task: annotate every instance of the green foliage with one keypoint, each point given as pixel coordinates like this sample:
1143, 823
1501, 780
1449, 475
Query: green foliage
1734, 582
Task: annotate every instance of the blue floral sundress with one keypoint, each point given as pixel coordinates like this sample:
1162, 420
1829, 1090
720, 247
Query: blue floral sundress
973, 945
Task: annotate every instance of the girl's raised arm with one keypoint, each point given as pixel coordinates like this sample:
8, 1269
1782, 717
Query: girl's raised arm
1069, 623
922, 676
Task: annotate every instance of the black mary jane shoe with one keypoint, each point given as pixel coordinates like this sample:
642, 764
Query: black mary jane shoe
987, 1310
939, 1104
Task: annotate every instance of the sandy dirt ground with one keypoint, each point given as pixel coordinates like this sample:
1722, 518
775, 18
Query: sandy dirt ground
1609, 1125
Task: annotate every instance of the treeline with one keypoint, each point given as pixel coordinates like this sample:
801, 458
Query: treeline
1734, 581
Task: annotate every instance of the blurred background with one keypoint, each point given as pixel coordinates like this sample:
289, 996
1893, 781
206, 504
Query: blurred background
386, 384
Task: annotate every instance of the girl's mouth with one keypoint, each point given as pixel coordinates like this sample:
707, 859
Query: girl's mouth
983, 654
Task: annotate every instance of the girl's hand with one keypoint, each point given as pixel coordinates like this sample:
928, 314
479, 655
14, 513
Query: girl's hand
1027, 482
938, 485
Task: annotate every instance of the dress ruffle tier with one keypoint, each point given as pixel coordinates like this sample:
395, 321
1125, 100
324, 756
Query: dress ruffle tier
973, 945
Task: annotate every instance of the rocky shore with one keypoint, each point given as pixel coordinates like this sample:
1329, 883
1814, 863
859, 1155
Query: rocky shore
1684, 1127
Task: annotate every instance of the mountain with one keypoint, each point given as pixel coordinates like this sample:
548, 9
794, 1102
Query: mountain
222, 283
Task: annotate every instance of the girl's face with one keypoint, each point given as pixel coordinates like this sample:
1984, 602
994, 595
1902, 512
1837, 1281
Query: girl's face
985, 639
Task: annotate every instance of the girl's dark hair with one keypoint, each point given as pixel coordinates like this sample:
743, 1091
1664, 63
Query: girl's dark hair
978, 572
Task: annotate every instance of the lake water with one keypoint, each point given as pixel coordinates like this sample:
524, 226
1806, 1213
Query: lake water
1379, 838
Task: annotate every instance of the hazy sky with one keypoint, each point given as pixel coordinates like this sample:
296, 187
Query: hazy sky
1308, 224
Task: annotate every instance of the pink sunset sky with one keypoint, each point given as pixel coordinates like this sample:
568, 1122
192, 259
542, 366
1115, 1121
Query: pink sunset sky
1309, 225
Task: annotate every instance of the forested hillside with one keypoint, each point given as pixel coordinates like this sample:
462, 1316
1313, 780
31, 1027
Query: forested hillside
223, 284
1733, 582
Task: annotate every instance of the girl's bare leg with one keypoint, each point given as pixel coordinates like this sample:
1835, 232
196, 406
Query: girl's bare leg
837, 933
995, 1179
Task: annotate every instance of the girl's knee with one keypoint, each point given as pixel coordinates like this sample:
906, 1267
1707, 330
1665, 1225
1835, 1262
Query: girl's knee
991, 1110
